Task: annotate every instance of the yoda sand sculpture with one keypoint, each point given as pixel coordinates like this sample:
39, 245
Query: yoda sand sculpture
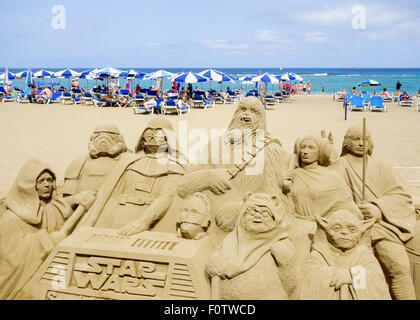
257, 259
194, 218
33, 224
388, 202
341, 265
246, 158
140, 189
88, 172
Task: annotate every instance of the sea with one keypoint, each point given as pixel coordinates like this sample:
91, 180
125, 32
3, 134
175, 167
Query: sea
322, 79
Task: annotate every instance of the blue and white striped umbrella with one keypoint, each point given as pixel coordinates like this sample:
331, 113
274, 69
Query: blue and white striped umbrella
266, 77
10, 76
22, 74
189, 78
227, 78
89, 72
369, 83
67, 73
245, 78
109, 72
159, 74
43, 73
211, 74
290, 76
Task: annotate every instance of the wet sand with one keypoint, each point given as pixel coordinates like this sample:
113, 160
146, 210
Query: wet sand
57, 133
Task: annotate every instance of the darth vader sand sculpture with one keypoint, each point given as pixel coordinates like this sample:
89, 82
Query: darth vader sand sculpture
140, 189
245, 159
88, 172
32, 224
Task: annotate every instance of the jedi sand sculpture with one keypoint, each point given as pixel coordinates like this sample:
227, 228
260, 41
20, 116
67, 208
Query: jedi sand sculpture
88, 172
33, 223
141, 187
382, 195
341, 266
257, 259
244, 159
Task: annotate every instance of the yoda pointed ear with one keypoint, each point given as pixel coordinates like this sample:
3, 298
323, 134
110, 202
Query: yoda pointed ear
367, 225
322, 223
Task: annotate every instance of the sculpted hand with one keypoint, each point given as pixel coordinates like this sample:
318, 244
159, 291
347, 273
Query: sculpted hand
330, 136
340, 277
370, 211
289, 175
218, 181
133, 228
57, 237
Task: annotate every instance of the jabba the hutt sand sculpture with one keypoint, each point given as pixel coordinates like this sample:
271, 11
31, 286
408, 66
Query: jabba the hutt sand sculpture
388, 202
257, 259
140, 189
244, 159
88, 172
341, 265
31, 225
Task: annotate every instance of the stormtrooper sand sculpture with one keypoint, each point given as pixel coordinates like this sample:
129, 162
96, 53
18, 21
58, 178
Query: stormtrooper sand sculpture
257, 259
341, 265
32, 224
244, 159
88, 172
140, 189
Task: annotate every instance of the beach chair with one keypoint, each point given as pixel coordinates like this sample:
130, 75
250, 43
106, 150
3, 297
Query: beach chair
348, 97
366, 98
67, 96
87, 97
356, 103
405, 103
169, 105
24, 96
152, 94
198, 101
215, 97
185, 108
4, 96
377, 103
387, 99
138, 100
124, 93
286, 95
231, 99
141, 107
279, 97
56, 96
98, 102
269, 100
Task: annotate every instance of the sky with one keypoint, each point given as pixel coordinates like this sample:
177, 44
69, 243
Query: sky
216, 33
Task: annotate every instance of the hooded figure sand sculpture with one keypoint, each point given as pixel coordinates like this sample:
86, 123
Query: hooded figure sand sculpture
31, 225
244, 159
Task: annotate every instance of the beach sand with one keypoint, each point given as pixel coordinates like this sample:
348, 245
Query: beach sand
57, 133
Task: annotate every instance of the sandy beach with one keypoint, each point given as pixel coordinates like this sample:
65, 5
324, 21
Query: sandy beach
57, 133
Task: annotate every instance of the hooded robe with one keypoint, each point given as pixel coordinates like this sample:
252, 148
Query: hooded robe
25, 228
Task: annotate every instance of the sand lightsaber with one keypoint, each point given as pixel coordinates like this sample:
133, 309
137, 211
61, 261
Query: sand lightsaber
364, 162
287, 185
72, 221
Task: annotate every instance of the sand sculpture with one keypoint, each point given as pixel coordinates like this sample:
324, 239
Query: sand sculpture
279, 241
341, 265
141, 187
386, 199
33, 223
257, 259
244, 159
88, 172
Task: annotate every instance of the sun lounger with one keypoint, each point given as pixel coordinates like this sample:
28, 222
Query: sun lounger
101, 103
348, 97
138, 108
169, 105
356, 103
366, 98
376, 103
199, 101
387, 99
24, 96
279, 96
67, 96
124, 93
86, 97
269, 100
216, 98
405, 103
185, 108
4, 96
139, 100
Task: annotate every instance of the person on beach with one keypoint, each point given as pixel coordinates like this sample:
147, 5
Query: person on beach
128, 84
45, 93
398, 86
353, 91
32, 94
304, 88
8, 89
309, 88
75, 84
385, 94
138, 89
110, 98
405, 96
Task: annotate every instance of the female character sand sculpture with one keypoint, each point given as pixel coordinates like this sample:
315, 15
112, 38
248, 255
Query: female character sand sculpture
32, 223
244, 159
88, 172
140, 189
341, 265
257, 259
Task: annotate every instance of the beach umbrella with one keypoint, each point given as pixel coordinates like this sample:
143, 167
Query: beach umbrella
22, 74
369, 83
67, 73
212, 74
290, 76
159, 74
109, 72
266, 77
189, 77
6, 76
245, 78
89, 72
286, 85
43, 73
29, 77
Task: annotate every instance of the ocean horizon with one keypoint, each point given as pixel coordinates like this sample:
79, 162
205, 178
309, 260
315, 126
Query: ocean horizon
331, 79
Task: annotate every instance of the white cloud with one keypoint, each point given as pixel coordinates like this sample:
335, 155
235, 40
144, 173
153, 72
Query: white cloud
154, 45
316, 37
224, 45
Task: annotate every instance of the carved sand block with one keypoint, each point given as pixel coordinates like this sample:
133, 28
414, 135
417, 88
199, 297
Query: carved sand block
97, 263
413, 251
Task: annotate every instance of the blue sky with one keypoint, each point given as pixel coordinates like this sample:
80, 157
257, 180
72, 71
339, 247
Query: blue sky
195, 34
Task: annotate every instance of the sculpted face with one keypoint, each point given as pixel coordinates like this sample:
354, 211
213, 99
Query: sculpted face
309, 152
258, 219
356, 145
247, 116
193, 217
344, 230
44, 186
154, 139
105, 144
